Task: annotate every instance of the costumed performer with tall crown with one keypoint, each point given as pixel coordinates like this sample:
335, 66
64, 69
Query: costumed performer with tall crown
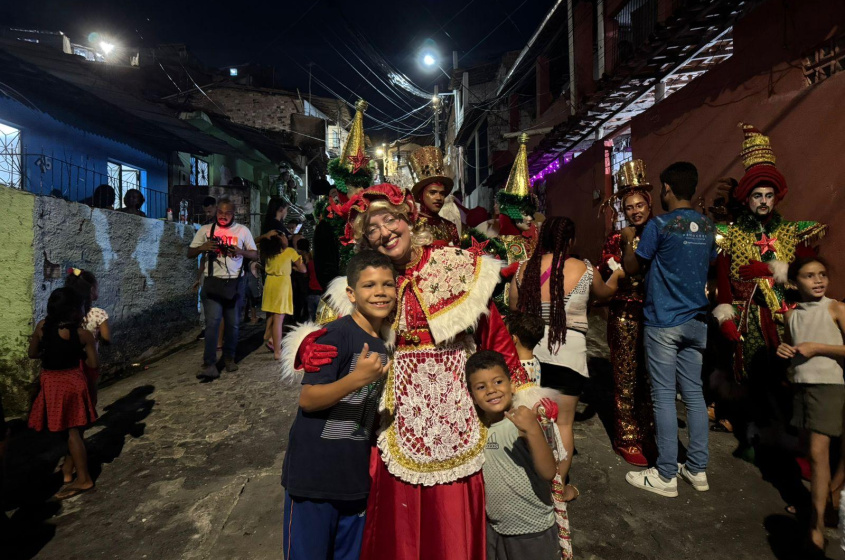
350, 173
427, 494
517, 207
755, 253
430, 191
633, 425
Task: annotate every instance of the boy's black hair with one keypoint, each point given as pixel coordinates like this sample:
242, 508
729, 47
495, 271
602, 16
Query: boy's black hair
486, 359
209, 201
303, 245
682, 176
799, 263
529, 328
366, 259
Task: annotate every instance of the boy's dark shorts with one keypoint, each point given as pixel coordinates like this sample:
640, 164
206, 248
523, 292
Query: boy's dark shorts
536, 546
818, 408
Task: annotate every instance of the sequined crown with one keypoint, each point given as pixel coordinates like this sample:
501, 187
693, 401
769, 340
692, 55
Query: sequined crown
427, 167
756, 148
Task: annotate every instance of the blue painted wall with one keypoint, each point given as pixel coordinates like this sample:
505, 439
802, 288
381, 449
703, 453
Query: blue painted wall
78, 159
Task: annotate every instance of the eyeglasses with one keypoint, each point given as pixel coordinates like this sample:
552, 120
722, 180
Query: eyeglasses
390, 223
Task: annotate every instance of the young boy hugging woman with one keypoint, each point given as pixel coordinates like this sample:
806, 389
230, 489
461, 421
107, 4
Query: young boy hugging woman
519, 467
325, 473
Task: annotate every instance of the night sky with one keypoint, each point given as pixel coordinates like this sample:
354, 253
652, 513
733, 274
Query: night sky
282, 34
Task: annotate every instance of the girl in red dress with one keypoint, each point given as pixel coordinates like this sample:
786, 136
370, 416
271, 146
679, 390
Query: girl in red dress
64, 402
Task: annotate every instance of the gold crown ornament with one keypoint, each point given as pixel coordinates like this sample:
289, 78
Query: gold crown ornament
632, 174
353, 156
756, 148
427, 167
515, 199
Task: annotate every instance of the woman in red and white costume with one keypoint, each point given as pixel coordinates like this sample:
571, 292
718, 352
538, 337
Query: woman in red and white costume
427, 494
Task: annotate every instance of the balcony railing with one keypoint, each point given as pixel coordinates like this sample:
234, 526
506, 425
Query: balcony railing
49, 176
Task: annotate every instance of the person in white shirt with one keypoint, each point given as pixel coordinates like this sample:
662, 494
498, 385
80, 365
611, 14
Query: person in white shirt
225, 244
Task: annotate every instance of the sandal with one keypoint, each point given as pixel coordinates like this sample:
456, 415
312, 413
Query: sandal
72, 493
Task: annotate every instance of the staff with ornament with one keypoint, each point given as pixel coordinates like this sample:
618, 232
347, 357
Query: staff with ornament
430, 191
633, 426
756, 251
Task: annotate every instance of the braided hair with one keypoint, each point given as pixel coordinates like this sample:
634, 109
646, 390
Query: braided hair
556, 235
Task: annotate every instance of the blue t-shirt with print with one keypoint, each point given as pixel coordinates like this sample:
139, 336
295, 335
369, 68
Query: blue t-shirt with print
680, 246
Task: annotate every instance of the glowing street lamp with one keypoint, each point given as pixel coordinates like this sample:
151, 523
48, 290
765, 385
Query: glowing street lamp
429, 60
106, 47
379, 152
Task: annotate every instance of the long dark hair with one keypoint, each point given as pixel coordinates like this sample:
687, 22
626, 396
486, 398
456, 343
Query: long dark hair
555, 237
64, 310
82, 284
275, 204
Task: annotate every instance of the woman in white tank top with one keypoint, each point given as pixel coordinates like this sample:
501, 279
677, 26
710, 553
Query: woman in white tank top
558, 289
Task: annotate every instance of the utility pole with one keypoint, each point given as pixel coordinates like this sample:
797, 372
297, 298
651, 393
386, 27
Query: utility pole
436, 102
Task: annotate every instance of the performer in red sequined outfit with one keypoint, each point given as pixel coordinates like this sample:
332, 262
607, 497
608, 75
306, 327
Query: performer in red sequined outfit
427, 495
634, 416
430, 192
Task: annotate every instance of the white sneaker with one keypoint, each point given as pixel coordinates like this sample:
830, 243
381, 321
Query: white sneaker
697, 481
651, 481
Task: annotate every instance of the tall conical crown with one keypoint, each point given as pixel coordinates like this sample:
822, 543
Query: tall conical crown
515, 199
518, 182
354, 146
756, 148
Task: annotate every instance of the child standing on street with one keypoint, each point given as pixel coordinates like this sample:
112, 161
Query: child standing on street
326, 469
816, 349
278, 260
527, 331
519, 467
96, 320
63, 403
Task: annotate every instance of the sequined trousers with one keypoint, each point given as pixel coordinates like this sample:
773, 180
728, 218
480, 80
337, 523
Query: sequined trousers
634, 415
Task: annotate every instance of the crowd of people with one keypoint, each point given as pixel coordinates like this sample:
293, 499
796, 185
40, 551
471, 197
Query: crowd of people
440, 369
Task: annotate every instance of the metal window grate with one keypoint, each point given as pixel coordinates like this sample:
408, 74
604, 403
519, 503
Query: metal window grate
825, 60
620, 154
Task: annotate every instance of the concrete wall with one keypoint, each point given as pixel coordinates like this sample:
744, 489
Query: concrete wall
16, 231
141, 264
90, 146
763, 84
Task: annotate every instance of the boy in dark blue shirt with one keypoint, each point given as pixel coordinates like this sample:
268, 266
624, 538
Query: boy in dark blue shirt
677, 247
326, 469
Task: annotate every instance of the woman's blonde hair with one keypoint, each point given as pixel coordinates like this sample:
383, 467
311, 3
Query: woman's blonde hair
420, 236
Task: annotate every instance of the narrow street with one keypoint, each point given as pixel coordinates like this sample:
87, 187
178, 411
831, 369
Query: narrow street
189, 471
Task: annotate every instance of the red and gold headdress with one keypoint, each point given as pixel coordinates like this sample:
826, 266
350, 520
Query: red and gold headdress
360, 203
759, 161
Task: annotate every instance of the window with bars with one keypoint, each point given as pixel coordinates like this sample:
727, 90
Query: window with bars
122, 178
11, 157
620, 153
199, 171
825, 60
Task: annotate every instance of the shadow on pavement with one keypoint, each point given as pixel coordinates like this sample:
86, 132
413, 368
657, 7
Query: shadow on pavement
30, 479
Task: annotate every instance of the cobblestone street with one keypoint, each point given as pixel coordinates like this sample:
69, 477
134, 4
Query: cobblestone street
188, 471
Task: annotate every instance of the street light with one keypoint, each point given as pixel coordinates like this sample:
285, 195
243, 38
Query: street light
429, 59
379, 152
106, 47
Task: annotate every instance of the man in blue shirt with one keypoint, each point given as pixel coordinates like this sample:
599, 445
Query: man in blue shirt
677, 248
